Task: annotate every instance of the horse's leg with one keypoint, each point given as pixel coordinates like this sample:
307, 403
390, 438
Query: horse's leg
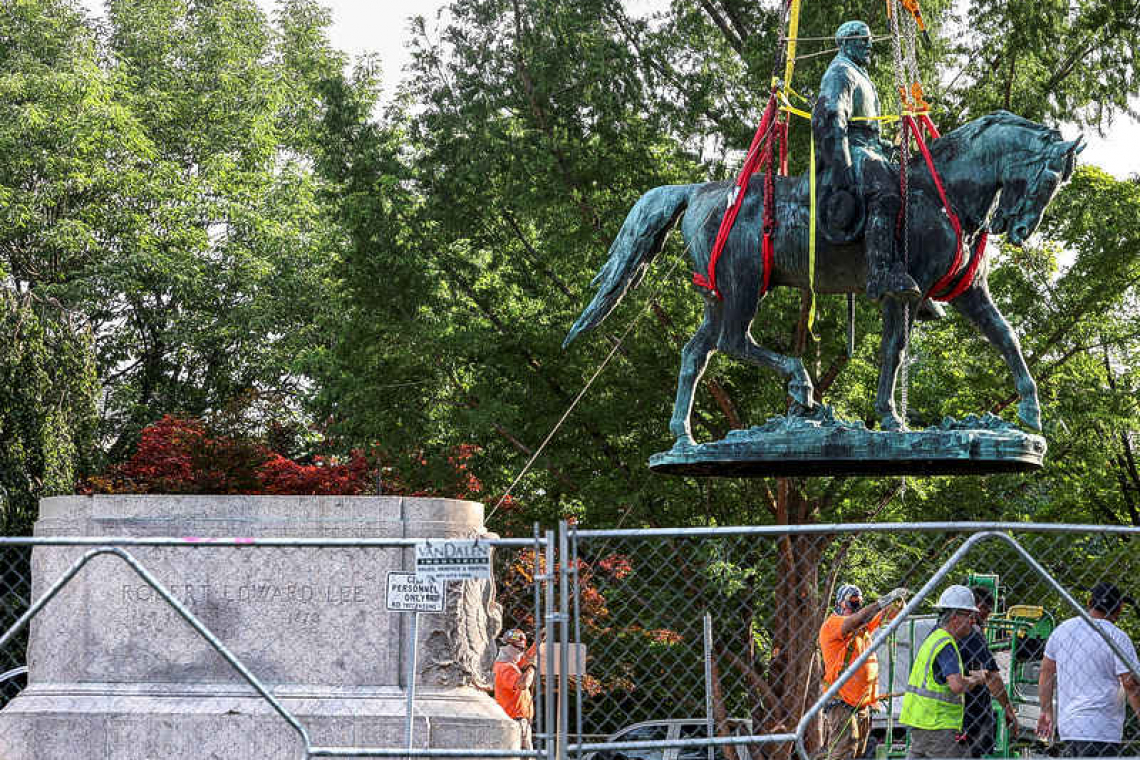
978, 307
736, 338
895, 327
694, 359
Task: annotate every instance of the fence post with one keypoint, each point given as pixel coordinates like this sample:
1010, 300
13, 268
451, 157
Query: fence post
563, 638
579, 662
540, 697
548, 682
412, 678
708, 681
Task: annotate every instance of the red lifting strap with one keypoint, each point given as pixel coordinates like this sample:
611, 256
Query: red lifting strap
967, 278
948, 278
753, 160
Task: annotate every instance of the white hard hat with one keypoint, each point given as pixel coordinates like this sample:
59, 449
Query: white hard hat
957, 598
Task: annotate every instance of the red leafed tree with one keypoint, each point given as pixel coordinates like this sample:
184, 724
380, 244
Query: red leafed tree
184, 456
516, 593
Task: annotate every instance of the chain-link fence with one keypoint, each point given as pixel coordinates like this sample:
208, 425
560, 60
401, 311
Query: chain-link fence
721, 628
15, 596
281, 623
688, 634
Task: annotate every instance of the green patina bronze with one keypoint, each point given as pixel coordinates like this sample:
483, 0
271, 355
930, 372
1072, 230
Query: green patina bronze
1000, 172
855, 169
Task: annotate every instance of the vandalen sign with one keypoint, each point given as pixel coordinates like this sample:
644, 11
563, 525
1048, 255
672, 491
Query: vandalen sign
453, 560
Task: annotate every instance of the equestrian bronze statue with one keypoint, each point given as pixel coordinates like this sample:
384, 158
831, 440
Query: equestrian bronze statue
999, 172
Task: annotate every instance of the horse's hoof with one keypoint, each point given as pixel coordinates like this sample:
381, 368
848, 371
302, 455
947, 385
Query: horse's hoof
1030, 413
892, 423
929, 311
684, 443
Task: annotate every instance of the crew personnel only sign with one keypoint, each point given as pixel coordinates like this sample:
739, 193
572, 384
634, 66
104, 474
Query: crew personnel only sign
453, 560
406, 594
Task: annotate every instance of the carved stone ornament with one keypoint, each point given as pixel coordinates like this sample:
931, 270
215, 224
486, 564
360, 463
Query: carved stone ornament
458, 649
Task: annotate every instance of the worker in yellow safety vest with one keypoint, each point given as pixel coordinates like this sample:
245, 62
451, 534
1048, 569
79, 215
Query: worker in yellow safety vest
933, 706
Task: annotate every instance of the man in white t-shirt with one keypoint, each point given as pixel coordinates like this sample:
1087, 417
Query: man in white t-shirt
1091, 681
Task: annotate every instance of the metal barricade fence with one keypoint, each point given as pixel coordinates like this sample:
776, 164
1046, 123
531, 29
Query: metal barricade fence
15, 597
704, 640
144, 573
699, 637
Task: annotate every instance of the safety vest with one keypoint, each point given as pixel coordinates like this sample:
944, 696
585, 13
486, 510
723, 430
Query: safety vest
928, 704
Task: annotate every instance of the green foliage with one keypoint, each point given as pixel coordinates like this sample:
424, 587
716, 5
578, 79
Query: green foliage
158, 180
47, 406
1048, 61
242, 235
478, 217
245, 233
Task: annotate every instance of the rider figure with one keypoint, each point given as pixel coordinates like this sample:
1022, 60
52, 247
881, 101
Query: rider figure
855, 165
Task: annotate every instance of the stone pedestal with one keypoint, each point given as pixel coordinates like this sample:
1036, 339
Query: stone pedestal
114, 673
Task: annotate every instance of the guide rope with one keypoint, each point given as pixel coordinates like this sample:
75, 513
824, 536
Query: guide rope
597, 372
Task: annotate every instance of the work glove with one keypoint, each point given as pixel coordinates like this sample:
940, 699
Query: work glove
892, 597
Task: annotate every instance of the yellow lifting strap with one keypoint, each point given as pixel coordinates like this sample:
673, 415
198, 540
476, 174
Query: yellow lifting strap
789, 69
918, 106
787, 107
793, 33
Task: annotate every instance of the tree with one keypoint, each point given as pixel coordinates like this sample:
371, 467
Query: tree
537, 125
158, 180
48, 391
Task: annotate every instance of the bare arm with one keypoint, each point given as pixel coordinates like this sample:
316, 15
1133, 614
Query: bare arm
997, 690
1046, 680
526, 678
1132, 690
857, 620
959, 683
531, 652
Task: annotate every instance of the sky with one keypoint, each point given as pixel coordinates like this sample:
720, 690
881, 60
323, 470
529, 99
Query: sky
381, 26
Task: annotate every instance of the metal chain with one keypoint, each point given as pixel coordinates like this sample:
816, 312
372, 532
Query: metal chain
910, 32
900, 69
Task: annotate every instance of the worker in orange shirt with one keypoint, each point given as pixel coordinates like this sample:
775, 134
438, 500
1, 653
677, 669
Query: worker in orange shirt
514, 676
844, 636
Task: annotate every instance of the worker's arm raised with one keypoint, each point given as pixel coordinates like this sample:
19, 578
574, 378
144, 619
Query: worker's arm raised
526, 677
531, 652
864, 616
858, 619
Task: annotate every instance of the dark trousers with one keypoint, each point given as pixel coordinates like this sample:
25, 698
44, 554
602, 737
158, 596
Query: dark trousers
1091, 749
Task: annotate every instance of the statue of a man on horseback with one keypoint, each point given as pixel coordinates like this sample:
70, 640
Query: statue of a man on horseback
995, 174
855, 167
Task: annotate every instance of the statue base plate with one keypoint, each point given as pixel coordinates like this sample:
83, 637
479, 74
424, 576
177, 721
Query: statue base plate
820, 445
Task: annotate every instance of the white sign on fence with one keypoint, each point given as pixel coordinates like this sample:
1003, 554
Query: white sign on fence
453, 560
575, 658
406, 593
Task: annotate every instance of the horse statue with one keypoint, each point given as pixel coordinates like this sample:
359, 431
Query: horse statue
1000, 172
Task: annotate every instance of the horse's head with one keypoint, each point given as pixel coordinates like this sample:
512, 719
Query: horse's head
1031, 176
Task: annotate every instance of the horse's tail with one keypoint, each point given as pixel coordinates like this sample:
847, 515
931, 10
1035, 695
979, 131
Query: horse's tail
641, 238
